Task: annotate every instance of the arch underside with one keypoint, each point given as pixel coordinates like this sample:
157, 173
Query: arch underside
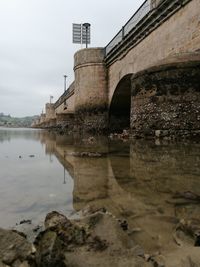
119, 111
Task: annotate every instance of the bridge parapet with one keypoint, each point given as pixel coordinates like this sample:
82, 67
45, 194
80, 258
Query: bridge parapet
65, 102
146, 19
144, 9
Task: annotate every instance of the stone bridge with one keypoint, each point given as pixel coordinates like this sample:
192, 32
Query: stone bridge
146, 79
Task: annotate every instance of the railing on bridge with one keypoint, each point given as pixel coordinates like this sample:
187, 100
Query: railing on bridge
64, 96
133, 21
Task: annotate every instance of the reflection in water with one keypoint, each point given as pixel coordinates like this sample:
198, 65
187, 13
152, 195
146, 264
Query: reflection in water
136, 181
7, 134
31, 182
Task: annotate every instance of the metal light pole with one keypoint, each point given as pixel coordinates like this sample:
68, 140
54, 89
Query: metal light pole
86, 25
65, 82
51, 97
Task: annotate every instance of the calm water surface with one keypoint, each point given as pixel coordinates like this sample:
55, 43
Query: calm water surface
137, 181
31, 179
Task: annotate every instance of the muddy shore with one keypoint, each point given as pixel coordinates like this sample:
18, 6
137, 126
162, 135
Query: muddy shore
151, 219
97, 238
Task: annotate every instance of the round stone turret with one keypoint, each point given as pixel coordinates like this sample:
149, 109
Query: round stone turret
91, 87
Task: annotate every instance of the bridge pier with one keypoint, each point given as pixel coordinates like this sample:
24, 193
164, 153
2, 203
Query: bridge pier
91, 96
165, 98
65, 120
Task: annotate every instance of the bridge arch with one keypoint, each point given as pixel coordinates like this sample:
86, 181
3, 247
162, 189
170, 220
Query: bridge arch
120, 106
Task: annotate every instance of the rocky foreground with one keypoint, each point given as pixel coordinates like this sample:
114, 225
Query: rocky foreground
97, 239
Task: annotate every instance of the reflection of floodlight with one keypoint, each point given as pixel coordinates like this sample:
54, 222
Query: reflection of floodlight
64, 181
86, 25
65, 78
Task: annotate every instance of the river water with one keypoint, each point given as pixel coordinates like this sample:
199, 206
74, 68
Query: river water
137, 181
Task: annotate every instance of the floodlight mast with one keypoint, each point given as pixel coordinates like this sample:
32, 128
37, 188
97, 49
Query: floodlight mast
86, 25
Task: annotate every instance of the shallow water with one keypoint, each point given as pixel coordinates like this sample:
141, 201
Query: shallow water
31, 179
136, 181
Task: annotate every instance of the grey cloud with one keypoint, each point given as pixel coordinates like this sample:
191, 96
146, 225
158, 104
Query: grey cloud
36, 47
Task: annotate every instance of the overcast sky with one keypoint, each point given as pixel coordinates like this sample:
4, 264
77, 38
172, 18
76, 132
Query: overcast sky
36, 46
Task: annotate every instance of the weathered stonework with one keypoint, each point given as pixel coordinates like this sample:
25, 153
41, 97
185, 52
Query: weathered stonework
178, 34
91, 89
50, 111
165, 87
92, 120
65, 103
166, 100
65, 121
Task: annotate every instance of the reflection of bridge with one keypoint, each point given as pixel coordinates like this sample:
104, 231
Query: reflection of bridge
94, 180
133, 184
146, 78
133, 181
128, 177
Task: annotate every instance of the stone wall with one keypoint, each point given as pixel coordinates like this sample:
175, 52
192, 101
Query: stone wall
65, 103
165, 100
50, 111
178, 34
90, 89
65, 121
42, 118
67, 106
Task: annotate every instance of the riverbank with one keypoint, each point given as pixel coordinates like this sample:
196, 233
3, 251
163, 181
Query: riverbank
97, 238
142, 196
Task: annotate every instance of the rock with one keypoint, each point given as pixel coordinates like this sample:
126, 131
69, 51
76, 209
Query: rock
158, 261
147, 257
125, 134
187, 195
56, 219
122, 136
197, 240
190, 262
186, 257
48, 250
25, 221
158, 133
124, 225
15, 250
162, 133
87, 154
90, 140
88, 210
37, 228
28, 230
189, 227
95, 240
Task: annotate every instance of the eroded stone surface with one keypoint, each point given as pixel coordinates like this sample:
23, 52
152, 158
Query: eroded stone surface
165, 101
96, 240
15, 250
